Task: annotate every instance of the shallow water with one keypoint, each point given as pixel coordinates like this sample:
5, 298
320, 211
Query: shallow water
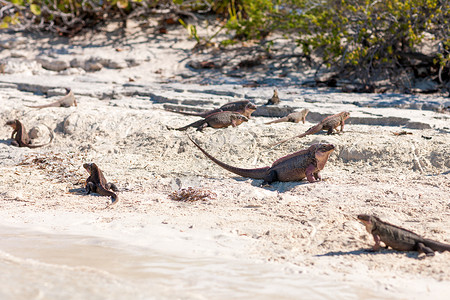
38, 265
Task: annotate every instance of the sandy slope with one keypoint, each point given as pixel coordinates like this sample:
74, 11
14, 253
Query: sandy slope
121, 126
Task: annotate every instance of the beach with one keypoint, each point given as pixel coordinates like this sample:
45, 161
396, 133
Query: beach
245, 241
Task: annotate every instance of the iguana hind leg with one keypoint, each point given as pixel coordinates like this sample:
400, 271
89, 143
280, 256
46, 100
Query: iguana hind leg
271, 177
111, 186
422, 248
317, 176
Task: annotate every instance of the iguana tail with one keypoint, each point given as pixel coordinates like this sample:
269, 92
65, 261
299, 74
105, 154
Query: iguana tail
104, 192
436, 246
259, 173
196, 124
42, 145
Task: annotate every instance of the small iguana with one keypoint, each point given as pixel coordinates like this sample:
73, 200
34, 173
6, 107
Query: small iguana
399, 238
67, 101
293, 167
20, 135
244, 107
329, 123
96, 183
275, 99
294, 117
221, 119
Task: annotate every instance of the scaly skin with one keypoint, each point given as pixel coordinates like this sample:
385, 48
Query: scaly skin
329, 123
275, 99
221, 119
20, 135
294, 117
294, 167
67, 101
399, 238
243, 107
96, 183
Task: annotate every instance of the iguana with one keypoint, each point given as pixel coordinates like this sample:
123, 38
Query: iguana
399, 238
96, 183
275, 99
244, 107
294, 167
66, 101
20, 135
329, 123
221, 119
294, 117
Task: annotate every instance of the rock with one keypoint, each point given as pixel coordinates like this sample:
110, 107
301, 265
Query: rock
417, 125
273, 111
114, 64
77, 63
92, 66
53, 64
56, 92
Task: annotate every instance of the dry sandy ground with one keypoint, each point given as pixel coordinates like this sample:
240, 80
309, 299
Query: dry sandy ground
121, 125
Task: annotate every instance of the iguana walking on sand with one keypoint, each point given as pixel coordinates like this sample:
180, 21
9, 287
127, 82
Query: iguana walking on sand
294, 117
243, 107
329, 123
275, 99
67, 101
399, 238
221, 119
294, 167
20, 135
96, 183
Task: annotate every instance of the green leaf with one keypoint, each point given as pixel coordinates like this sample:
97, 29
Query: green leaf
122, 4
35, 9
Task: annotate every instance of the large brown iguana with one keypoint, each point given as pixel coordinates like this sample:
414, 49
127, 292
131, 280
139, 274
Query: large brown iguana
67, 101
399, 238
220, 119
294, 167
294, 117
20, 135
244, 107
329, 123
96, 183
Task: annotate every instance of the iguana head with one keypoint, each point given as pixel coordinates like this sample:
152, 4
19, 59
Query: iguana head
13, 123
322, 153
250, 106
345, 115
368, 221
90, 167
239, 118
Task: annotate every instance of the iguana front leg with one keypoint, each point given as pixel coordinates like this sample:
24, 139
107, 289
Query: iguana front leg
342, 126
310, 173
377, 240
90, 187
